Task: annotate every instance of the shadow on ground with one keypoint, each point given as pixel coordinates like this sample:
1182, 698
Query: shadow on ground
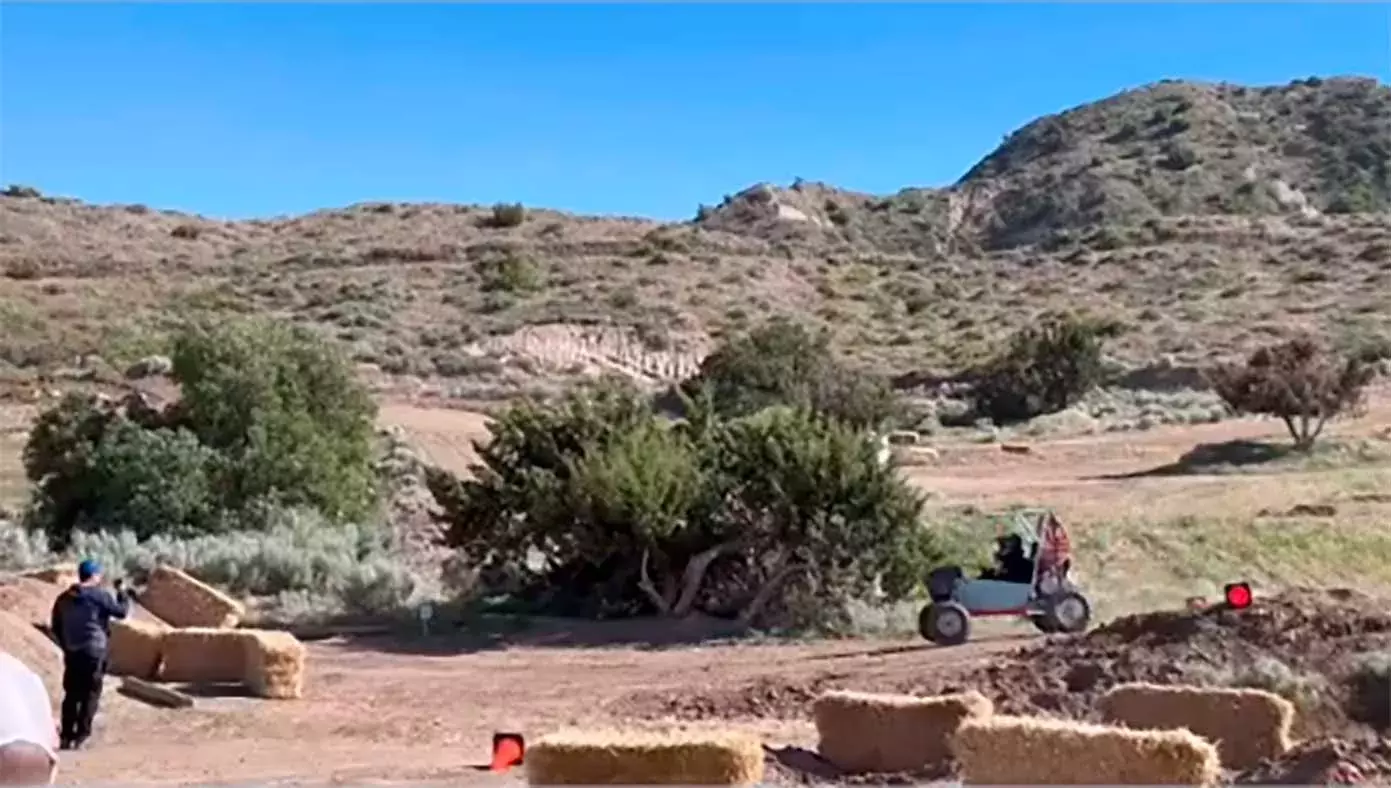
211, 691
1210, 458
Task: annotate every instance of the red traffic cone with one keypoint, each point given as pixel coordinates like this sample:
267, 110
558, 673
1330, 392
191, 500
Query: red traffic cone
508, 750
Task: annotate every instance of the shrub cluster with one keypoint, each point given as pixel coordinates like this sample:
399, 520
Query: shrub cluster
269, 415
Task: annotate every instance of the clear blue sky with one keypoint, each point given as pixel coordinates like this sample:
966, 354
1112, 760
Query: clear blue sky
261, 109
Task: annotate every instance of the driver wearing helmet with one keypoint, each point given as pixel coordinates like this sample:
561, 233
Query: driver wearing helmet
1012, 565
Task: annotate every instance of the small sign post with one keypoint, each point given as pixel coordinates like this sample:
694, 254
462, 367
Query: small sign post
425, 612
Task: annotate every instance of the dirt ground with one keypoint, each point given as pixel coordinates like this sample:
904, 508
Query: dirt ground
423, 710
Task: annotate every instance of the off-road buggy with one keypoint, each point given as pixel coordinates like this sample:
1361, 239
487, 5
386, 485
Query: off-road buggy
1044, 595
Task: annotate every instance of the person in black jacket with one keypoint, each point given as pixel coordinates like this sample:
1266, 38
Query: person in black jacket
82, 625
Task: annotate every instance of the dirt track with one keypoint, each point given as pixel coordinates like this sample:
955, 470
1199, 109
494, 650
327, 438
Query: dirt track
375, 713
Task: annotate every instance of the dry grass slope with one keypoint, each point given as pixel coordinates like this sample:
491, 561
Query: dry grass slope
1208, 217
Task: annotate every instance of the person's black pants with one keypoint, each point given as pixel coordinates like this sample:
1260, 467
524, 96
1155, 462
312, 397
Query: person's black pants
82, 680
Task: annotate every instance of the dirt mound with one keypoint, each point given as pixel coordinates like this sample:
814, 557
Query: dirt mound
28, 599
1311, 633
1326, 762
27, 644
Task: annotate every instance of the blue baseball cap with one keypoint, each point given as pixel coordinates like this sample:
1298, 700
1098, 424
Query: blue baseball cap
88, 569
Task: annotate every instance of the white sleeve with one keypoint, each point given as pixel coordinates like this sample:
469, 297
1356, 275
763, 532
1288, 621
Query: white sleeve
42, 710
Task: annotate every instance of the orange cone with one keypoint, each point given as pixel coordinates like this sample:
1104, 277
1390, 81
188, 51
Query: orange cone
508, 750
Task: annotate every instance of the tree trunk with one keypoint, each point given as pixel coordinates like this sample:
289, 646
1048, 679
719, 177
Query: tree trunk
667, 602
785, 570
1294, 431
694, 577
662, 603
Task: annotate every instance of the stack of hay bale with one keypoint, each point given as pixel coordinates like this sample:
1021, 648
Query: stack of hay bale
201, 644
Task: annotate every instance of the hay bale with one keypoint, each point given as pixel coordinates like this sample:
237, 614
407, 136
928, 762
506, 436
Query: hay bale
275, 665
863, 732
63, 576
1003, 750
33, 648
1247, 725
137, 646
184, 601
204, 655
589, 757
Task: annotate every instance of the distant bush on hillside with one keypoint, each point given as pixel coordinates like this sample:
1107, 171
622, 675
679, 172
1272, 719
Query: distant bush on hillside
1047, 367
784, 363
507, 215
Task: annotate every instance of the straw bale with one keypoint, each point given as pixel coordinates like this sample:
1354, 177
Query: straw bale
1247, 725
617, 757
184, 601
137, 645
205, 655
275, 665
863, 732
57, 575
1004, 750
30, 646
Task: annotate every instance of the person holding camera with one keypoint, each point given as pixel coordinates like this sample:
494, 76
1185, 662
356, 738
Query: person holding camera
82, 626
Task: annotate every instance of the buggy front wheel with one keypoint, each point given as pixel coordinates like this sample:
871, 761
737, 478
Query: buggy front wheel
1068, 612
945, 623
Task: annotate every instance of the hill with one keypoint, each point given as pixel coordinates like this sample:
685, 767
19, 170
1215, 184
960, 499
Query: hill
1206, 218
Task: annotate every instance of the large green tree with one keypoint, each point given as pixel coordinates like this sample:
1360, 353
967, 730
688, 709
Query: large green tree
607, 506
283, 407
268, 413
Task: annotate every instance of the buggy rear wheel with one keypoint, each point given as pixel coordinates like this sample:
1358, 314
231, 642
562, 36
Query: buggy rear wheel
945, 623
1043, 624
1068, 612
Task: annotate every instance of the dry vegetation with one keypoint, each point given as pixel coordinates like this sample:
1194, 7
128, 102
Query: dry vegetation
1206, 217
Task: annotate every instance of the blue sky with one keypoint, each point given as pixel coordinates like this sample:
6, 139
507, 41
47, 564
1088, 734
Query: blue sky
265, 109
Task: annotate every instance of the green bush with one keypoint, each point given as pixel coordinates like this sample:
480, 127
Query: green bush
285, 410
1047, 367
507, 215
268, 413
594, 505
784, 363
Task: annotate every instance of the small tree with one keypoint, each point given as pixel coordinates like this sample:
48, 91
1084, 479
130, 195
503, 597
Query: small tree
809, 499
1046, 368
785, 363
1300, 381
285, 409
